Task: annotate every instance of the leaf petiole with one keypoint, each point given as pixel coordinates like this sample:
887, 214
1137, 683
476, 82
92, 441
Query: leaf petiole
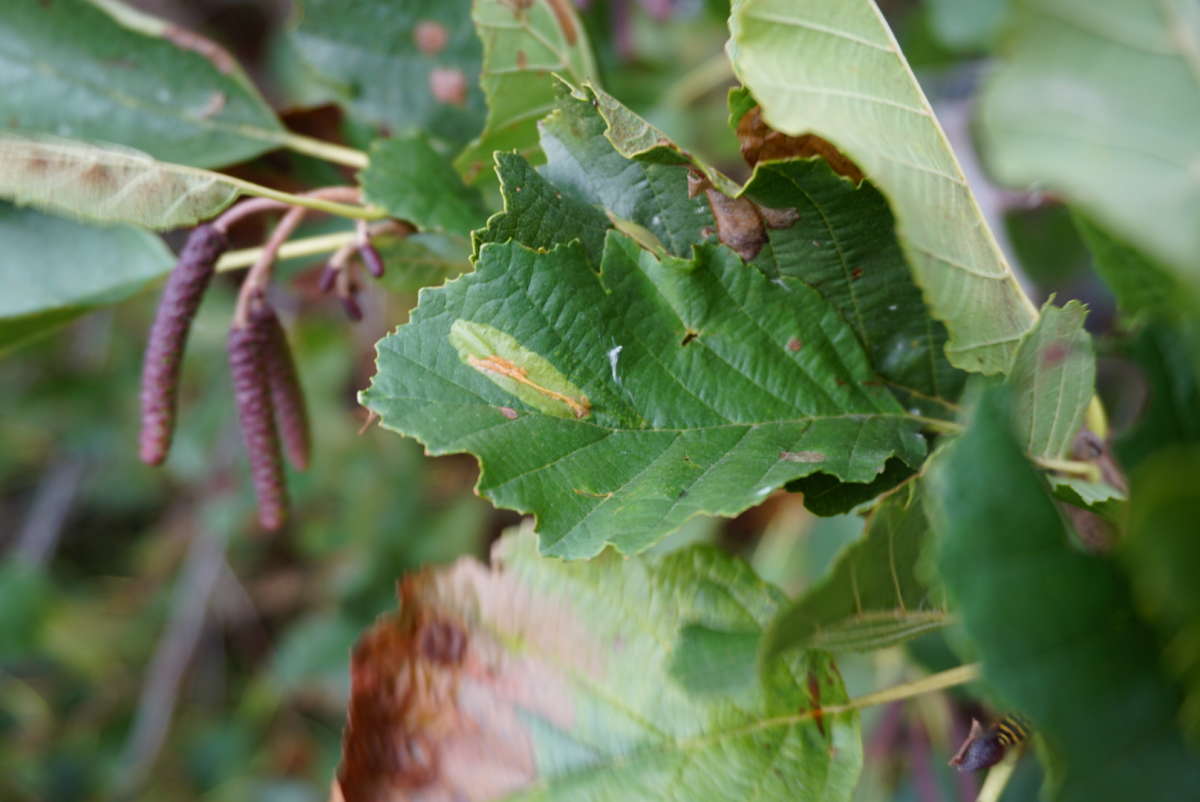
309, 201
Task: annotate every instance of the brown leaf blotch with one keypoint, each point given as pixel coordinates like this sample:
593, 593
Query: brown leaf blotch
566, 22
430, 37
738, 223
448, 85
442, 642
760, 142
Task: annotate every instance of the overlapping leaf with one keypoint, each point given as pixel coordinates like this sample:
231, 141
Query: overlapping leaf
102, 71
410, 65
54, 270
833, 68
582, 162
538, 215
540, 679
872, 597
843, 244
523, 44
414, 182
109, 184
1054, 627
617, 405
1163, 552
1109, 83
1054, 377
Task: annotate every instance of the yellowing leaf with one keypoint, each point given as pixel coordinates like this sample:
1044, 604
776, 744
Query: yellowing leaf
108, 183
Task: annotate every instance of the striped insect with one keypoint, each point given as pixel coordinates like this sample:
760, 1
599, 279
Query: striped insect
985, 747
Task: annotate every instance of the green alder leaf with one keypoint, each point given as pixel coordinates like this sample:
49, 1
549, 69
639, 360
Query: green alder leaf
1099, 497
421, 260
414, 182
1055, 628
872, 597
1100, 103
833, 68
843, 244
585, 166
967, 24
1167, 365
651, 392
1142, 287
825, 495
539, 679
539, 216
54, 270
1163, 552
98, 70
524, 44
109, 184
1053, 379
405, 66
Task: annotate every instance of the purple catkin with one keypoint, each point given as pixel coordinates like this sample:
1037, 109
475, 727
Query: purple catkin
252, 396
351, 307
329, 276
168, 337
291, 414
371, 258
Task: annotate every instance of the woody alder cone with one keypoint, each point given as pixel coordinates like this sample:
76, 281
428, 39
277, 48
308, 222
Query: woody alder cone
168, 336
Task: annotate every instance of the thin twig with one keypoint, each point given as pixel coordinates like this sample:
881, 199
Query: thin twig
181, 634
43, 525
260, 273
245, 209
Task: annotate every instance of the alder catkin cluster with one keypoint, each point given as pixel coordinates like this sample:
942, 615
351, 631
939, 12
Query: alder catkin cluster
266, 387
267, 394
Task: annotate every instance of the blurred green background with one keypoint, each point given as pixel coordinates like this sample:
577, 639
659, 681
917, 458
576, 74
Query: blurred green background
154, 645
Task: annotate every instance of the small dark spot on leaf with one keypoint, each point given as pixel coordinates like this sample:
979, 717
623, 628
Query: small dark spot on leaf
794, 344
1054, 353
442, 642
687, 338
522, 60
508, 412
856, 273
841, 382
814, 692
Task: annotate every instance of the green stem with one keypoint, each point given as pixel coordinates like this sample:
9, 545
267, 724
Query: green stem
308, 202
938, 425
338, 154
927, 684
305, 246
1085, 470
